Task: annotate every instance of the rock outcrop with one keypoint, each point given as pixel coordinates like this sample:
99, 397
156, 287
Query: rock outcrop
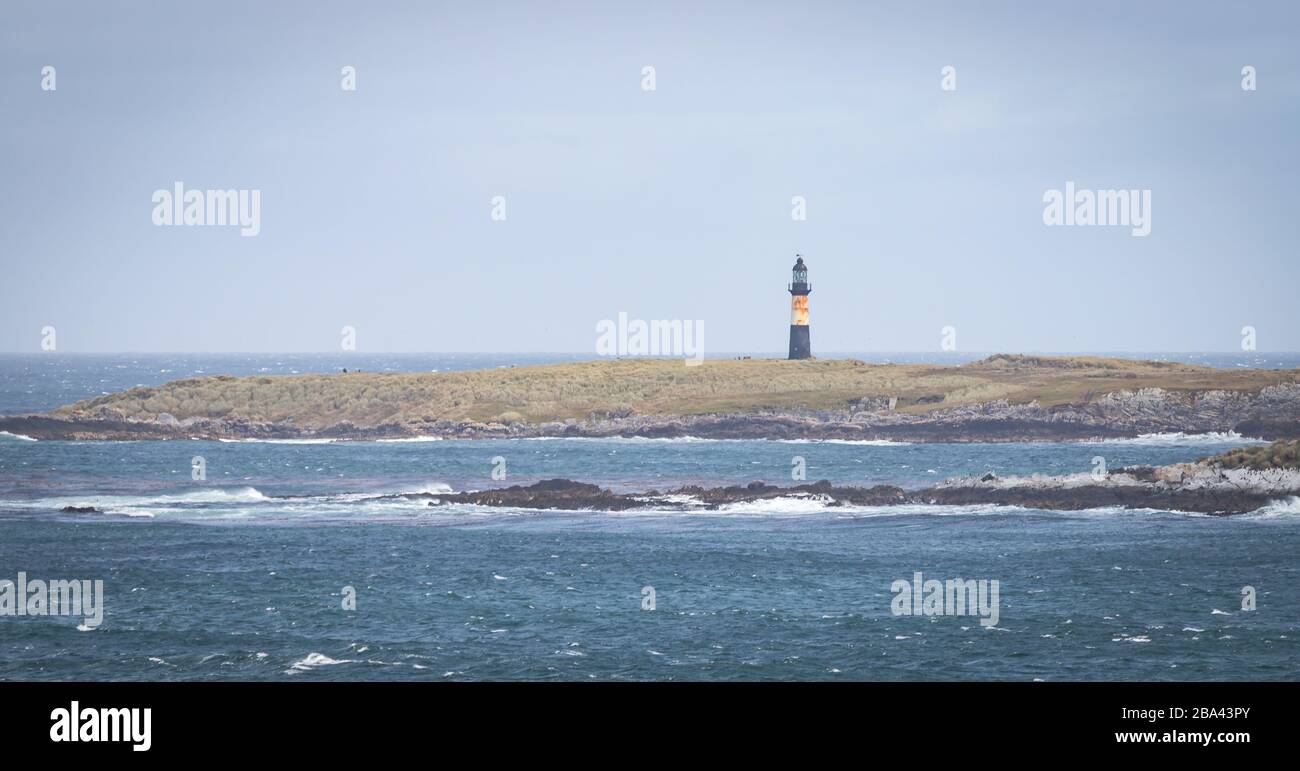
1190, 487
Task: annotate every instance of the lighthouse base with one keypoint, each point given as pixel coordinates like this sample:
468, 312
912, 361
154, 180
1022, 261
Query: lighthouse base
800, 342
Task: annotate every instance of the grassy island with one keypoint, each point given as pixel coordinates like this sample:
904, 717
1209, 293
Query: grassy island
665, 387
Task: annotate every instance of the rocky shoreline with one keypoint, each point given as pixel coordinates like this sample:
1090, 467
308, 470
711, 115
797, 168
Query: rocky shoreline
1272, 413
1192, 488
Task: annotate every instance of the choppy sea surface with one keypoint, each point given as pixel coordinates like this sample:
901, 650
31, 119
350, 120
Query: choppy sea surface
244, 574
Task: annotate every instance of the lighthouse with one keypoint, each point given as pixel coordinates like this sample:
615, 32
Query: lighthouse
800, 343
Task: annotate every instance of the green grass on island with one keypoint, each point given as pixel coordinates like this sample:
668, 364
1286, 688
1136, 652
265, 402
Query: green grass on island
658, 387
1280, 454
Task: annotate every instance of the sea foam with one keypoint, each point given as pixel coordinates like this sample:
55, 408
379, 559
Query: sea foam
1180, 439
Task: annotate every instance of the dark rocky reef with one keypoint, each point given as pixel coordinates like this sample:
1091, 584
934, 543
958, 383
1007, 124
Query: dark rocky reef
567, 494
713, 497
1199, 501
1140, 488
547, 494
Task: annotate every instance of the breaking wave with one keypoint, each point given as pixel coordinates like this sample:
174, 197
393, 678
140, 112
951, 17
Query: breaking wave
801, 504
433, 488
815, 504
628, 439
314, 661
280, 441
413, 506
1279, 509
703, 439
217, 498
1180, 439
857, 442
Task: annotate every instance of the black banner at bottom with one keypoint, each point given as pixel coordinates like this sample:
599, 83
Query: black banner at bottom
135, 721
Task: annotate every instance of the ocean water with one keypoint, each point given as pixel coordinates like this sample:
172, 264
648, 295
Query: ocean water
243, 575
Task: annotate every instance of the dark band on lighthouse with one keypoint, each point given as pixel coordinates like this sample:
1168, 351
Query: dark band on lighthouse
800, 340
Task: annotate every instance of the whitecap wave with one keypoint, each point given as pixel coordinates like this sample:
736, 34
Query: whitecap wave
674, 499
1180, 439
433, 488
854, 442
314, 661
20, 437
248, 503
147, 505
820, 504
217, 495
1287, 508
281, 441
625, 439
813, 505
790, 504
214, 495
702, 439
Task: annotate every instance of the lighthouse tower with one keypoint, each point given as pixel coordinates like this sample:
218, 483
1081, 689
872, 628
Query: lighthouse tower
800, 343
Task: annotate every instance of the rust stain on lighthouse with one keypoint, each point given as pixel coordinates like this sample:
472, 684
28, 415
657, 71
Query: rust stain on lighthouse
799, 310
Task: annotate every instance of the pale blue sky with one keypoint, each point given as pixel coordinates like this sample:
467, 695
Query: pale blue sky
924, 206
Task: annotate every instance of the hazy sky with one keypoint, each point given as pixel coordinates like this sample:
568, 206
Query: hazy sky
924, 206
